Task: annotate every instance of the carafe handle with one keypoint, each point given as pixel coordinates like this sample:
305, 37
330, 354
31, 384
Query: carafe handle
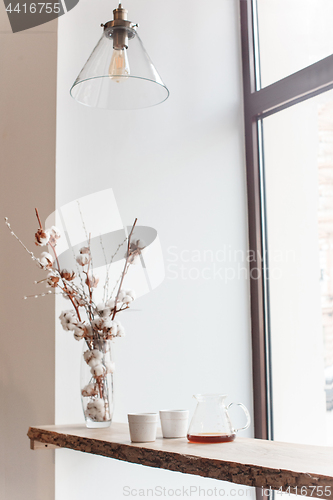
246, 413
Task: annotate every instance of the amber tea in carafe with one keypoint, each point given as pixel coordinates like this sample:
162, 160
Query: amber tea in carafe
211, 422
210, 438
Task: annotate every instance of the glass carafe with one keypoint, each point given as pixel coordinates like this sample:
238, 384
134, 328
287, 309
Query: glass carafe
211, 422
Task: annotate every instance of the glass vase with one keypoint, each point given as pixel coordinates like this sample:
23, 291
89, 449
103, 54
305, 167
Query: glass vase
97, 383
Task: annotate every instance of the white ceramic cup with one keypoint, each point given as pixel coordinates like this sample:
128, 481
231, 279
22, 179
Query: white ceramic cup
142, 427
174, 423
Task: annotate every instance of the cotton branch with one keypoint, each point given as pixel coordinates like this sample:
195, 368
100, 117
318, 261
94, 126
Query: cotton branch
126, 262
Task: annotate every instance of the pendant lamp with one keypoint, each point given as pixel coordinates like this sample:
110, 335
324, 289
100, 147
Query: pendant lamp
119, 74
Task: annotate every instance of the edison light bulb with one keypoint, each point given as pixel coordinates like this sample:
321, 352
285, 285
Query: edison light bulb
119, 69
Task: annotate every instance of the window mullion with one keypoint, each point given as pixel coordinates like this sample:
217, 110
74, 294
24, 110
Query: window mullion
291, 90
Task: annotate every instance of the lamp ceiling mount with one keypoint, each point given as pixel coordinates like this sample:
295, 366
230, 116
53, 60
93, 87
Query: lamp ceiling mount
120, 28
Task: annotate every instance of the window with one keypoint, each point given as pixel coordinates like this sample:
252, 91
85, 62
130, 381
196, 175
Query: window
289, 156
293, 34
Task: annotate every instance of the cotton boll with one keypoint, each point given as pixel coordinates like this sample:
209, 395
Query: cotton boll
89, 390
46, 260
121, 332
96, 410
41, 238
77, 335
79, 332
103, 310
131, 293
92, 280
110, 366
54, 235
127, 299
99, 404
121, 295
93, 357
97, 354
47, 255
90, 412
107, 323
110, 303
71, 327
68, 320
97, 323
83, 259
84, 250
87, 356
135, 250
98, 370
96, 358
67, 275
114, 328
52, 279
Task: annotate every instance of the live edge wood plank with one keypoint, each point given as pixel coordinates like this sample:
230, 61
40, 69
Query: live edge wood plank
250, 462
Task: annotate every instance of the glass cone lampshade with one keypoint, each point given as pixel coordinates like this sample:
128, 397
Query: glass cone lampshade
119, 74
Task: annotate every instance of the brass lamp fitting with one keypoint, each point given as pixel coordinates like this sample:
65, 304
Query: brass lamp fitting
120, 29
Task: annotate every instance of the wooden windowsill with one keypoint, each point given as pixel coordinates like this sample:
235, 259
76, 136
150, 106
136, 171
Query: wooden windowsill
251, 462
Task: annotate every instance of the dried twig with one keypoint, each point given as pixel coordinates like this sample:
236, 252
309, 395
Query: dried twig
126, 262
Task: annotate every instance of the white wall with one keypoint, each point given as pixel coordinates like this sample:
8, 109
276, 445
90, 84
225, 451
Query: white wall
27, 148
178, 167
